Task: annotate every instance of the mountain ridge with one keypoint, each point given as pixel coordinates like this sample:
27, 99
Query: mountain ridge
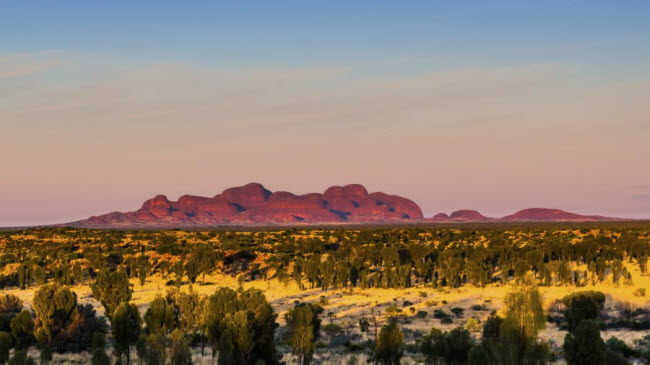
254, 205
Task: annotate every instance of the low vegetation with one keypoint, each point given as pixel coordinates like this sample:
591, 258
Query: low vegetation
193, 317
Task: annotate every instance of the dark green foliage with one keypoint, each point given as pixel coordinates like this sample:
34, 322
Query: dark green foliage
46, 354
478, 356
619, 346
181, 354
388, 350
615, 358
79, 336
61, 323
584, 346
303, 327
98, 341
582, 306
203, 260
22, 329
492, 326
161, 317
56, 310
6, 342
111, 289
453, 347
21, 358
125, 326
99, 357
241, 326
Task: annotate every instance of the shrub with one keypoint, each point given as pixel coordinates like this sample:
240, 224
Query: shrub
22, 329
10, 303
617, 345
640, 292
389, 344
473, 325
584, 305
5, 345
440, 314
421, 314
447, 320
392, 309
458, 312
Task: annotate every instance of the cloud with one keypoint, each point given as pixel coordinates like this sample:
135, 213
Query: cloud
25, 64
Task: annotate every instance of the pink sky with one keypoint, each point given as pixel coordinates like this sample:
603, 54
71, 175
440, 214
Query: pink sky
80, 139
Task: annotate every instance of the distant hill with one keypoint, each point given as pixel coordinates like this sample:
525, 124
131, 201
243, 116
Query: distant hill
253, 204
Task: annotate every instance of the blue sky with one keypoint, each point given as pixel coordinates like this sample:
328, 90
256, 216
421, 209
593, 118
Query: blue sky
598, 33
489, 105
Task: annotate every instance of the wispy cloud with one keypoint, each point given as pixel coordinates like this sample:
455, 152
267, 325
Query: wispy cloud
24, 64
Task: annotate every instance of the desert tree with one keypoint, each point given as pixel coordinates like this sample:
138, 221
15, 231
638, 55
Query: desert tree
111, 289
56, 309
303, 327
126, 324
388, 350
585, 346
22, 329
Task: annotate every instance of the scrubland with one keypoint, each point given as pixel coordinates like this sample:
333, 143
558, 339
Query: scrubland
420, 278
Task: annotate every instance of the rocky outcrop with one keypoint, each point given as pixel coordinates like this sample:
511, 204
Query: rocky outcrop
552, 215
252, 204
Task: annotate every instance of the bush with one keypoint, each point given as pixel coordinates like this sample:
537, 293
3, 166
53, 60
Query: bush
10, 303
640, 292
580, 306
619, 346
458, 312
22, 329
392, 309
421, 314
473, 325
440, 314
5, 345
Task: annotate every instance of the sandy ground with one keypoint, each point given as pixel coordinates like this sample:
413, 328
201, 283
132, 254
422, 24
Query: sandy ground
345, 307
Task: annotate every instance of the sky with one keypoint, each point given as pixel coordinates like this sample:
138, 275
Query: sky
488, 105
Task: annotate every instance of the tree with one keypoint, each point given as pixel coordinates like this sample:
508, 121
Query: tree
181, 353
582, 306
204, 259
191, 311
5, 345
161, 318
126, 324
46, 354
524, 317
478, 356
111, 289
77, 273
99, 357
235, 319
56, 309
22, 329
388, 349
303, 327
22, 276
451, 347
40, 275
177, 268
584, 346
143, 269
